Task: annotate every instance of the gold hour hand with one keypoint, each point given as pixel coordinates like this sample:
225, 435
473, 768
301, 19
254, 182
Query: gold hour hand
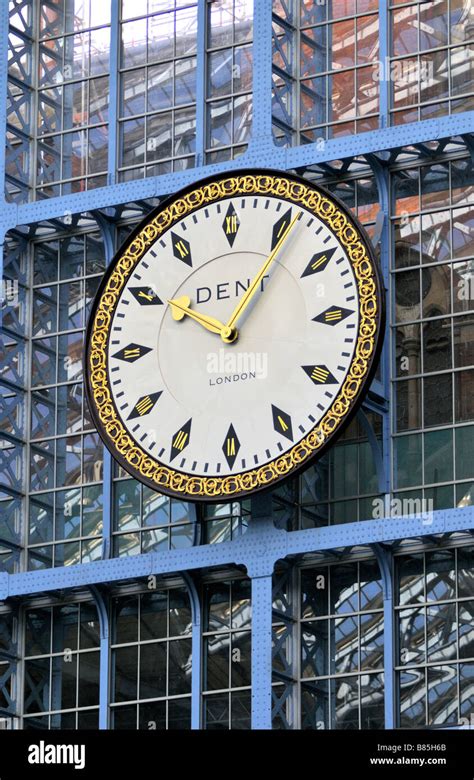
181, 307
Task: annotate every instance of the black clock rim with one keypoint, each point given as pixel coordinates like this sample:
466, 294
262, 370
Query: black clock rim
355, 406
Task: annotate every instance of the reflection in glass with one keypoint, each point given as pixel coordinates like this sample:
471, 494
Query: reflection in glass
315, 705
372, 701
345, 701
442, 695
412, 698
441, 632
314, 649
412, 643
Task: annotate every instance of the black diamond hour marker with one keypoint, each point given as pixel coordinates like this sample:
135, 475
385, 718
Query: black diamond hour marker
282, 422
333, 315
320, 375
231, 224
144, 405
132, 352
181, 249
180, 439
318, 262
279, 228
146, 296
231, 446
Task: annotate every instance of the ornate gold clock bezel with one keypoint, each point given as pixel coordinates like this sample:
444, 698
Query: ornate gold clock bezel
339, 220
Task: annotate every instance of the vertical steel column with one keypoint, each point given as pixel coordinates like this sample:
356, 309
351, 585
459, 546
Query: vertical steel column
107, 234
113, 90
262, 75
262, 651
4, 30
107, 505
2, 283
384, 63
260, 570
104, 671
196, 650
382, 178
201, 82
384, 556
385, 561
4, 27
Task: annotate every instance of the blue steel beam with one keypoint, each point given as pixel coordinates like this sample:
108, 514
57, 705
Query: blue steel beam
201, 84
384, 54
261, 134
108, 234
260, 570
262, 651
381, 175
385, 560
113, 91
260, 154
196, 651
104, 664
384, 556
253, 550
107, 504
4, 30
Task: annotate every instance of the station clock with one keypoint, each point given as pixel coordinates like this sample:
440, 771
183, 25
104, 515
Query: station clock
233, 336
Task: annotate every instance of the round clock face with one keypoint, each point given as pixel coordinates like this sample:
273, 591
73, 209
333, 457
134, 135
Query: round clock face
233, 335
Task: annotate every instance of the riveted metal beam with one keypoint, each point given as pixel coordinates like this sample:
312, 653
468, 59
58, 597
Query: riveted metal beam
263, 154
254, 550
385, 560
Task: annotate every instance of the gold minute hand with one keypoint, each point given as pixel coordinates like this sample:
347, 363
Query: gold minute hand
251, 289
180, 307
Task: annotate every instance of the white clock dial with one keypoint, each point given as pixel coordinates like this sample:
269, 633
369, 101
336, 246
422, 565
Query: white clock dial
231, 339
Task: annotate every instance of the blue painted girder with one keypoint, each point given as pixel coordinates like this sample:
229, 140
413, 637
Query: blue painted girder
257, 551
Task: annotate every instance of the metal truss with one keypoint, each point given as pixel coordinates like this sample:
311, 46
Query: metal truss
261, 152
258, 551
8, 670
284, 651
264, 546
